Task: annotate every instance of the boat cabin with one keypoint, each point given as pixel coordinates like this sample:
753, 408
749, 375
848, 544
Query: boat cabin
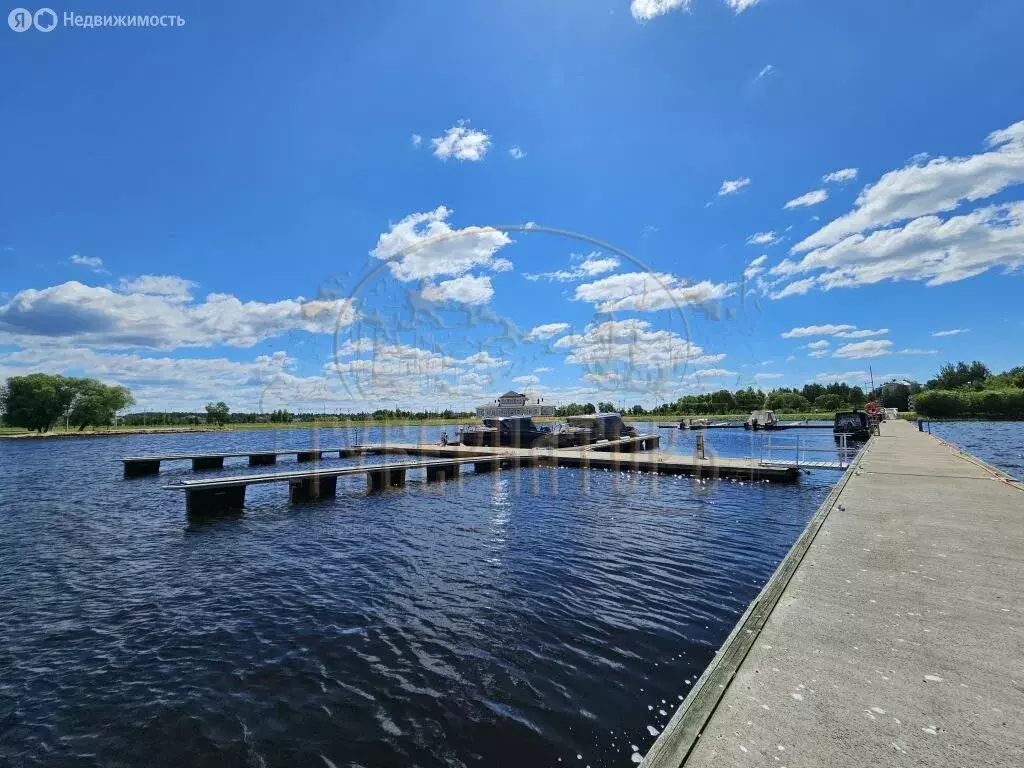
761, 420
601, 426
507, 431
854, 424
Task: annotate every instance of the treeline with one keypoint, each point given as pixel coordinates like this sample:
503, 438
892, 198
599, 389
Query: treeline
39, 401
971, 390
281, 416
811, 397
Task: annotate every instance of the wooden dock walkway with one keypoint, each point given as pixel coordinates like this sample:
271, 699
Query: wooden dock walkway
137, 466
892, 634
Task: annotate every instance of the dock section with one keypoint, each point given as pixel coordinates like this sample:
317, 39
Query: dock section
137, 466
891, 635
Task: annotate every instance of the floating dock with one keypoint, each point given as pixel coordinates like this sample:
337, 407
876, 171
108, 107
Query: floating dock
892, 634
137, 466
222, 493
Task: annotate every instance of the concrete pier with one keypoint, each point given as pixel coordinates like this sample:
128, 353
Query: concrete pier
389, 477
892, 634
137, 466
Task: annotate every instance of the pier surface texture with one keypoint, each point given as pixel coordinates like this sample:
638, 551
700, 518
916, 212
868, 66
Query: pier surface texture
891, 635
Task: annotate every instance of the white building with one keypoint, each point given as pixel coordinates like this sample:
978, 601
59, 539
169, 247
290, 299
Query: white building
515, 404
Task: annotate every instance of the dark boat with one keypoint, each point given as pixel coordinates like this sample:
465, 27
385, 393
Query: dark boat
508, 432
856, 425
597, 426
762, 420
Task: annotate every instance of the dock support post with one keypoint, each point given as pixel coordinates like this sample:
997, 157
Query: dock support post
212, 500
350, 453
442, 473
262, 459
700, 446
309, 455
207, 462
380, 479
490, 465
312, 488
140, 468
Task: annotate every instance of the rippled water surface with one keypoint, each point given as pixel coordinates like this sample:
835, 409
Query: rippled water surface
523, 618
1000, 443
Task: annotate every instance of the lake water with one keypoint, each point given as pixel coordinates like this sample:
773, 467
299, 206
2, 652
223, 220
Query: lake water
525, 618
1000, 443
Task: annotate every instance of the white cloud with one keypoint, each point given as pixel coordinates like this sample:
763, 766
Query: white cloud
601, 378
101, 316
645, 10
484, 359
841, 376
805, 201
921, 189
170, 286
95, 263
864, 334
630, 341
731, 187
926, 249
517, 153
796, 288
464, 290
766, 376
763, 238
713, 373
765, 71
822, 344
915, 351
417, 140
592, 265
951, 332
462, 142
841, 176
423, 245
543, 369
816, 330
861, 349
741, 5
648, 291
501, 265
546, 331
754, 268
818, 353
528, 380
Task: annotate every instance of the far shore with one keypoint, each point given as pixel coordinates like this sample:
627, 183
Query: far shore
13, 433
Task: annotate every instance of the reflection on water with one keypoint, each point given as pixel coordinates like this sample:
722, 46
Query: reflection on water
511, 619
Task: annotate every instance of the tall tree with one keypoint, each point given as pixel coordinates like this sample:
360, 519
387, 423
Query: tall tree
37, 401
218, 412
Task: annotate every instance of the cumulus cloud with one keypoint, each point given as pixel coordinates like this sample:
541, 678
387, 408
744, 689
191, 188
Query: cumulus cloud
951, 332
95, 263
630, 341
822, 344
463, 290
816, 330
861, 349
417, 140
423, 246
170, 286
754, 268
862, 334
462, 142
546, 331
592, 265
517, 153
926, 249
739, 6
100, 316
841, 376
645, 10
840, 176
649, 292
713, 373
923, 188
763, 238
796, 288
818, 353
807, 200
527, 380
731, 187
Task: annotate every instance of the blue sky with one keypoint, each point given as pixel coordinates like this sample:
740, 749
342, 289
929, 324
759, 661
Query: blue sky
239, 208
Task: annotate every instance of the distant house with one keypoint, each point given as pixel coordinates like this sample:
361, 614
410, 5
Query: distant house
515, 404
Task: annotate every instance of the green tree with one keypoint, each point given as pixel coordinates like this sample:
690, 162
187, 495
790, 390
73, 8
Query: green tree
606, 407
37, 401
960, 376
218, 412
788, 401
95, 403
589, 409
827, 402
